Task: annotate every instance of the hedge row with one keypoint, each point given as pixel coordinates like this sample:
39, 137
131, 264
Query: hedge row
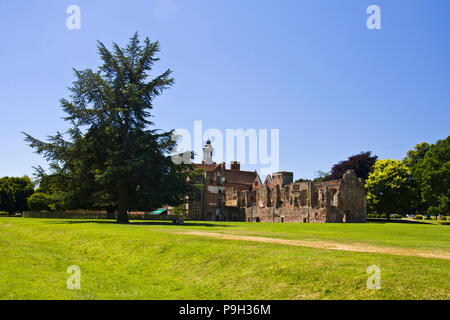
384, 216
91, 215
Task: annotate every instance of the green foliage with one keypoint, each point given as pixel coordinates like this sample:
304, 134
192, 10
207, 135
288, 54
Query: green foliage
112, 156
430, 171
433, 173
53, 186
23, 188
388, 187
321, 176
7, 199
413, 157
14, 192
39, 202
302, 180
179, 211
418, 217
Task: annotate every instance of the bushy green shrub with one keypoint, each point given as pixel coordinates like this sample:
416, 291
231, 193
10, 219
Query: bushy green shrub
3, 214
396, 216
384, 216
39, 202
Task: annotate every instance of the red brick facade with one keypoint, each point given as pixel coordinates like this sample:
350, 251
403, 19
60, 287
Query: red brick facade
236, 195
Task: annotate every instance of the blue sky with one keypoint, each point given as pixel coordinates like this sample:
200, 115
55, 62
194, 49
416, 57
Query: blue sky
309, 68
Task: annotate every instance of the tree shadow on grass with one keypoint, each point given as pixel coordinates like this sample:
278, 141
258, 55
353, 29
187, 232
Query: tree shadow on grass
381, 220
141, 223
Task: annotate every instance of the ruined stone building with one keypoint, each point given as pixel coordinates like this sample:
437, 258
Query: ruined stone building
236, 195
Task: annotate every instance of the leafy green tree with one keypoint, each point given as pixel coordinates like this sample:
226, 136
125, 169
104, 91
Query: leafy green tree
7, 200
388, 188
179, 211
432, 174
51, 185
112, 158
413, 157
441, 207
23, 188
39, 202
412, 160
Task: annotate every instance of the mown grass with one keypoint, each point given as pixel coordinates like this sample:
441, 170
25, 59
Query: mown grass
149, 261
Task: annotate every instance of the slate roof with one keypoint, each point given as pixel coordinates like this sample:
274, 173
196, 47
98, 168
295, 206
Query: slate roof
207, 167
240, 177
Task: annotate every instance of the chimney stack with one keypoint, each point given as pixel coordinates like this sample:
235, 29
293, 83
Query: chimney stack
235, 165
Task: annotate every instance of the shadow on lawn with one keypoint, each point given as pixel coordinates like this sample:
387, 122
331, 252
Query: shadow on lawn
142, 223
382, 220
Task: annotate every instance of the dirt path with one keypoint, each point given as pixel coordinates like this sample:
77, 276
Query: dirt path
326, 245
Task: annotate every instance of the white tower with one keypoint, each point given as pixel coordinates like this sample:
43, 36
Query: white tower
207, 153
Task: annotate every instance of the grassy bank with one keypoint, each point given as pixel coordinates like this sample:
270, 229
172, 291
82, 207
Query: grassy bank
152, 260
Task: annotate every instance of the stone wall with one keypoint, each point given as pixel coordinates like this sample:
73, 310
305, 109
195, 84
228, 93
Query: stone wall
255, 214
334, 201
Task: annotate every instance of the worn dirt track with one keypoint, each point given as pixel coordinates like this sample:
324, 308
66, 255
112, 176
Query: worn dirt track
326, 245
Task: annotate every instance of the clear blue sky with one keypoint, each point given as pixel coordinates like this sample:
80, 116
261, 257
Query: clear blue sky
309, 68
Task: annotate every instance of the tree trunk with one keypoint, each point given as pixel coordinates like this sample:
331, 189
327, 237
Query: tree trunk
122, 212
110, 213
122, 215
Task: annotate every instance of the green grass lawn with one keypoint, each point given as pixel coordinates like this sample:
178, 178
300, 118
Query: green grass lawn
153, 261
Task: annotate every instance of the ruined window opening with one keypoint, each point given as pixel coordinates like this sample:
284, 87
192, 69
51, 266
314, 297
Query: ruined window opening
304, 197
333, 196
282, 219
